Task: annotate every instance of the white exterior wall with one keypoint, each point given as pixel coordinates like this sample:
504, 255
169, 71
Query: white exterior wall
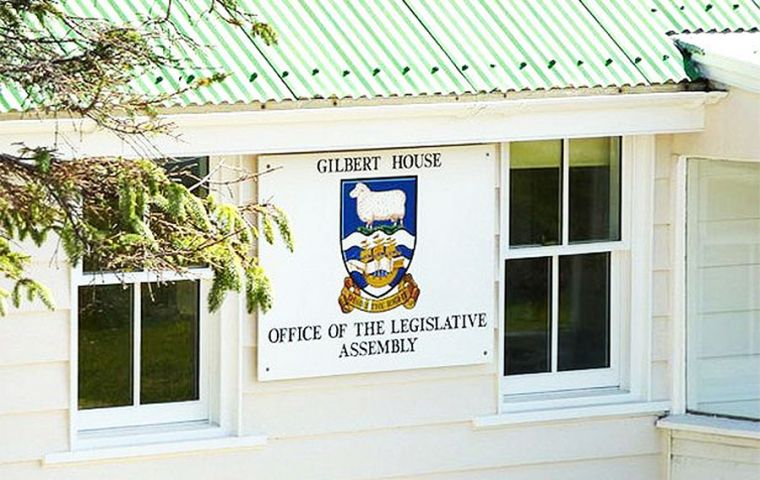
34, 368
732, 131
401, 425
406, 424
662, 270
697, 456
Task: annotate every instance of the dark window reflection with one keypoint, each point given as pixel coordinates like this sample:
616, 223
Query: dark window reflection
584, 311
105, 346
528, 313
535, 188
188, 171
594, 189
169, 349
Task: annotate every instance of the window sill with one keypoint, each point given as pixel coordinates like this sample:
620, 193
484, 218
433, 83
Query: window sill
704, 424
115, 444
571, 413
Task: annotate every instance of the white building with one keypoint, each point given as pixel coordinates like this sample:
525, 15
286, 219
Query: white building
581, 288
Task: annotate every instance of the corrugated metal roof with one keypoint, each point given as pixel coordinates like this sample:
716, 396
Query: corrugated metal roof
354, 48
707, 15
383, 48
517, 45
641, 29
227, 49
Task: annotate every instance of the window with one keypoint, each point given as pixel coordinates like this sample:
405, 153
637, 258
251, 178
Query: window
143, 344
563, 260
723, 288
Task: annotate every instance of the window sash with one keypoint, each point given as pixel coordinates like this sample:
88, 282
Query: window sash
150, 414
113, 278
704, 395
619, 250
556, 380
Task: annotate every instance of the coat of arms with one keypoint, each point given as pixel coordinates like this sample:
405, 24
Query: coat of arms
378, 237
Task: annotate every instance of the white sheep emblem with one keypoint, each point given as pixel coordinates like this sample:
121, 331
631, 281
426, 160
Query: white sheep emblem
373, 206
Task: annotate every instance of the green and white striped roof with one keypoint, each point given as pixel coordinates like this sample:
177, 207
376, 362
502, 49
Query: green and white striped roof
395, 48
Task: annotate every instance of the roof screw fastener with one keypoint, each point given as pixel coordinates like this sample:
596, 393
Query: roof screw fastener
434, 69
665, 57
346, 73
523, 65
315, 71
375, 71
285, 74
708, 7
190, 78
405, 70
579, 62
735, 5
493, 65
159, 80
607, 62
552, 63
637, 60
253, 77
465, 67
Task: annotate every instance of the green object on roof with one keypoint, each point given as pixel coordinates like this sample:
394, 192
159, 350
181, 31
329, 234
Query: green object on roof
395, 48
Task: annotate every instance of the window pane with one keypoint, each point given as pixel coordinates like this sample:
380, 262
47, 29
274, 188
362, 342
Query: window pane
723, 288
105, 346
594, 189
535, 188
584, 312
169, 349
528, 316
188, 171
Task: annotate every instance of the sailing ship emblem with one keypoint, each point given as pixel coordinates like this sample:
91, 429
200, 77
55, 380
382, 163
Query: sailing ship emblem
378, 239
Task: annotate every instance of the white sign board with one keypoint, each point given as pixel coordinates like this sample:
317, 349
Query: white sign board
393, 266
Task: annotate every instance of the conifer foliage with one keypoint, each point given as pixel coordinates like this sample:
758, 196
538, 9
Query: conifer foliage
115, 214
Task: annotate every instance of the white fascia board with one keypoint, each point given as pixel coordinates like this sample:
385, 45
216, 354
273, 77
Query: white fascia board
383, 126
731, 59
730, 71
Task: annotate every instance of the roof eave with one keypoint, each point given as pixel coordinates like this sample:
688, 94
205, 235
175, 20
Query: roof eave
730, 71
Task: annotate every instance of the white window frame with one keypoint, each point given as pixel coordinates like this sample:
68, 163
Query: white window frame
223, 426
139, 415
615, 378
681, 376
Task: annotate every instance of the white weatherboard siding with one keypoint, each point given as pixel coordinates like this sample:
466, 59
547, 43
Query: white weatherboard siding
730, 131
34, 380
697, 456
409, 424
399, 451
662, 276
